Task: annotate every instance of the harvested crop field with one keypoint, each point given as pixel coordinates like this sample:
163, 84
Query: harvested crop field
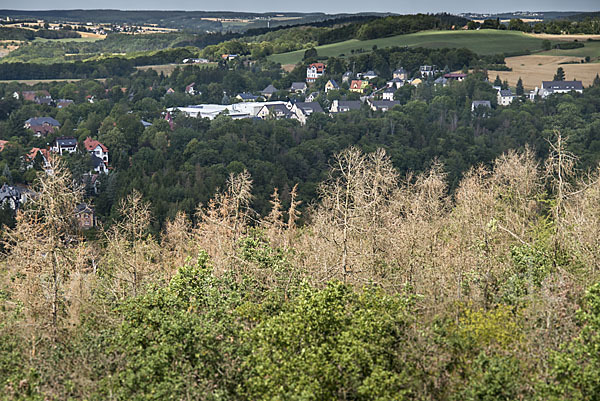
534, 69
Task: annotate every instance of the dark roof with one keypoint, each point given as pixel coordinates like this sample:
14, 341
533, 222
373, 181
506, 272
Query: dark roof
349, 105
245, 96
42, 121
335, 85
310, 107
389, 90
66, 142
400, 71
562, 85
279, 109
269, 89
485, 103
298, 85
384, 104
506, 92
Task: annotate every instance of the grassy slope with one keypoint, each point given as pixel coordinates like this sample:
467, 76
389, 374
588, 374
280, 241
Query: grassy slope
482, 42
591, 49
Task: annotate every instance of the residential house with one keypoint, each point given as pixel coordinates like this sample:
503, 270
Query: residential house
268, 91
369, 75
246, 97
441, 81
312, 97
64, 144
505, 97
455, 76
39, 97
400, 73
551, 87
416, 81
190, 89
3, 145
476, 104
12, 197
98, 151
146, 124
298, 87
302, 110
427, 71
342, 106
331, 85
358, 86
388, 94
85, 216
62, 103
274, 111
42, 125
383, 105
170, 91
35, 153
229, 57
395, 83
314, 71
347, 77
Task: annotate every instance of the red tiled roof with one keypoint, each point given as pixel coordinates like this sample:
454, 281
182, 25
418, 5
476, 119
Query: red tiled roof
42, 129
34, 151
91, 144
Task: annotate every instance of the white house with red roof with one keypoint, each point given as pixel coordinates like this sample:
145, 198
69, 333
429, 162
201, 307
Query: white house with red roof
314, 71
99, 154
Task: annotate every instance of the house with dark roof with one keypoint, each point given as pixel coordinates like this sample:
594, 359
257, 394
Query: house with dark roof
62, 103
268, 91
395, 83
42, 126
302, 110
312, 97
331, 85
347, 77
480, 104
274, 111
400, 73
298, 87
246, 97
342, 106
427, 71
383, 105
369, 75
12, 197
388, 93
64, 144
39, 97
505, 97
551, 87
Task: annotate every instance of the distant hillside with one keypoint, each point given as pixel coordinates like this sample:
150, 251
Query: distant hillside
189, 20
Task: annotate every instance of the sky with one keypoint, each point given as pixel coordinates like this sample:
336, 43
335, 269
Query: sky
331, 6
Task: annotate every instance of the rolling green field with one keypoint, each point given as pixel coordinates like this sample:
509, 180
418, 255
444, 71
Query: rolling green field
481, 42
591, 49
68, 40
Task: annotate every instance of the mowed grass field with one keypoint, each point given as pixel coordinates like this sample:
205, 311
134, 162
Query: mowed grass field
487, 41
